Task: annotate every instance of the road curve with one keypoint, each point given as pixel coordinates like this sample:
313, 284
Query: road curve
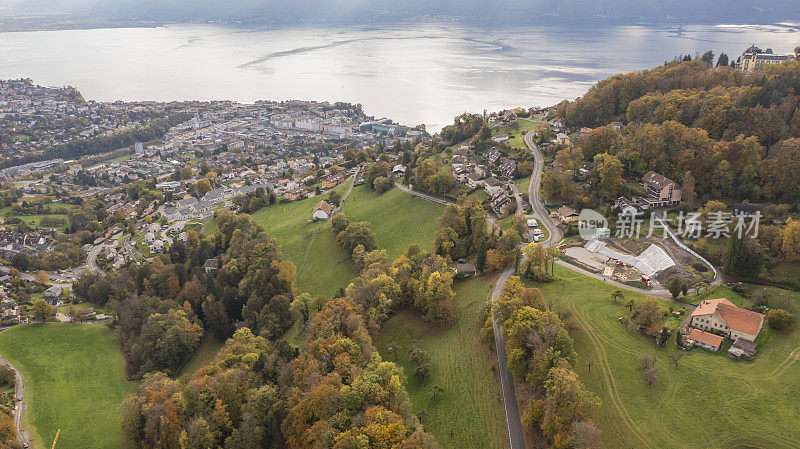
19, 406
533, 193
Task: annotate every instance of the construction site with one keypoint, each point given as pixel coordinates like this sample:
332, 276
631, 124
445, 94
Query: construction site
650, 260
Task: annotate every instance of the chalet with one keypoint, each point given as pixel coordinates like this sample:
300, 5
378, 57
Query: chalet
399, 171
493, 186
724, 318
322, 211
332, 181
500, 202
662, 190
461, 172
558, 124
474, 180
567, 214
563, 140
458, 160
704, 340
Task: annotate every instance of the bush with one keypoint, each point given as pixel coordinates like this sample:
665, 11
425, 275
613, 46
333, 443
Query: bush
779, 319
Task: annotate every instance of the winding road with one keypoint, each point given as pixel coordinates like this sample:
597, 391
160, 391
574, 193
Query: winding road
513, 422
516, 434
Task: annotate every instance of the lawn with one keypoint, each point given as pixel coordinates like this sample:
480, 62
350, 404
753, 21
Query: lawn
708, 401
469, 413
398, 218
517, 136
322, 267
523, 183
74, 381
203, 355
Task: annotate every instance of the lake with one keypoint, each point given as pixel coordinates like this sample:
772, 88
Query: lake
413, 73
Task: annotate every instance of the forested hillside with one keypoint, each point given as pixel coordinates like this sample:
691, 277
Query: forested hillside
736, 135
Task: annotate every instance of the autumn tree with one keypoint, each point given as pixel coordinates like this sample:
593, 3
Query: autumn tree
688, 189
41, 310
566, 402
790, 236
650, 315
610, 170
203, 186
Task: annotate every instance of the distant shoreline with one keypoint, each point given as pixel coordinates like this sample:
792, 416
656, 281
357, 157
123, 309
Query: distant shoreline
26, 23
64, 23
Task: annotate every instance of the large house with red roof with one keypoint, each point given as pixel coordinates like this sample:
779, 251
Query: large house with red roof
722, 317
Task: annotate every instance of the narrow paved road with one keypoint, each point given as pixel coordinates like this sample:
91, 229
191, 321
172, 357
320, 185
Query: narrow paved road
425, 197
352, 184
518, 197
19, 406
533, 193
513, 421
516, 438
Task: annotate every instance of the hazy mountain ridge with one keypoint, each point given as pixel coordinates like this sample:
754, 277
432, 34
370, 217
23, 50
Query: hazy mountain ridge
652, 11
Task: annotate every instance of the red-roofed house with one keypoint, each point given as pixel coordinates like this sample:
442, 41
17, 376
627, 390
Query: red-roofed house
704, 340
724, 318
322, 211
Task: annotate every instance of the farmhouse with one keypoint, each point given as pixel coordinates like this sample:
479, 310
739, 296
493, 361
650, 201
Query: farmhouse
464, 269
724, 318
322, 211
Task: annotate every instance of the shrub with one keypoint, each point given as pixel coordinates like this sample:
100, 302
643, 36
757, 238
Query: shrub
779, 319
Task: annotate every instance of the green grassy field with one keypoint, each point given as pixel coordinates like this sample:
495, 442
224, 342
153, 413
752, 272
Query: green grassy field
204, 354
74, 381
398, 218
322, 267
35, 220
523, 183
707, 401
469, 413
516, 139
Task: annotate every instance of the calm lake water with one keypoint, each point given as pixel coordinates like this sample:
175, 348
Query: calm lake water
413, 73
